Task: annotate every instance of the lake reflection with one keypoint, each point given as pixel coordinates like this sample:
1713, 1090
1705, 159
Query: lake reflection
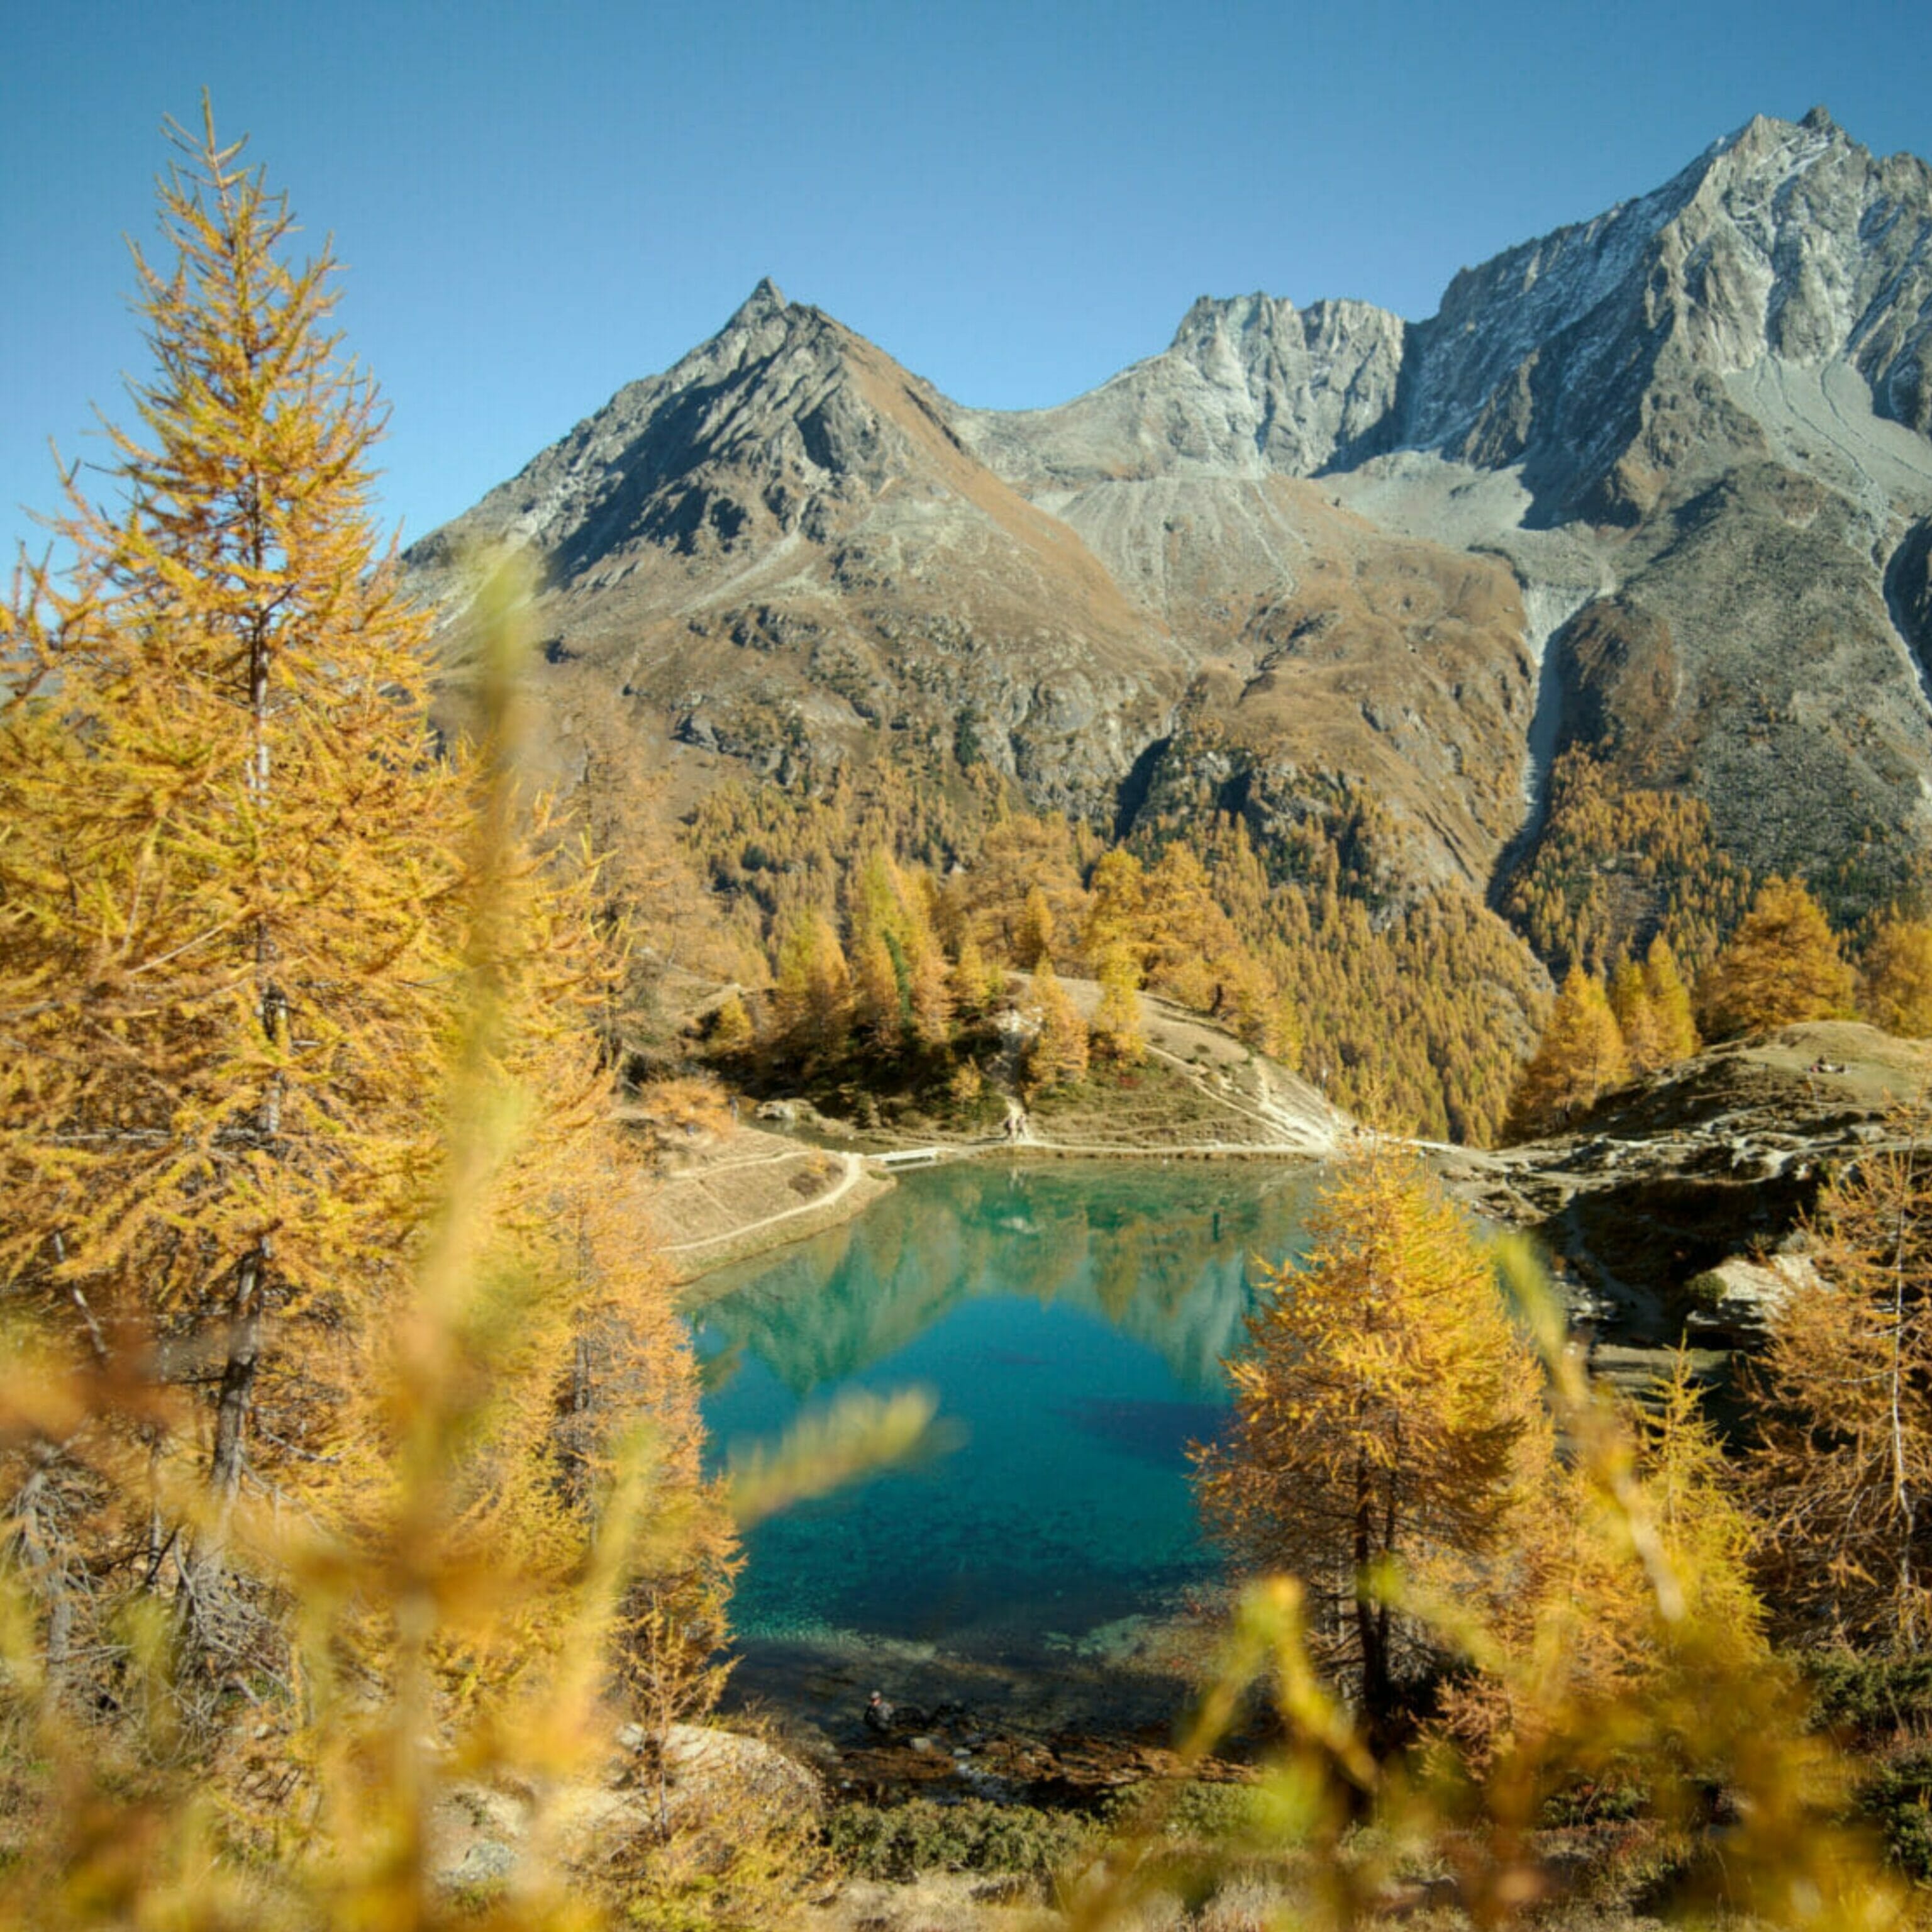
1071, 1321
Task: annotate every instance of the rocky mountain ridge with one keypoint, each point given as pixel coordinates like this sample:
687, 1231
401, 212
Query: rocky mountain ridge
1658, 484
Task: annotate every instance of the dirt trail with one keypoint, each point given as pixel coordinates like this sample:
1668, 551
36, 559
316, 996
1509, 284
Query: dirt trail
853, 1164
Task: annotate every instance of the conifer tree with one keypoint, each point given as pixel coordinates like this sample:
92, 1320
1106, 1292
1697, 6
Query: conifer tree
1183, 930
969, 981
232, 893
731, 1030
1637, 1018
1580, 1056
1782, 965
1898, 978
310, 1177
1032, 943
1117, 1030
1018, 856
812, 995
1386, 1412
1670, 1002
1844, 1470
243, 910
1117, 917
1058, 1055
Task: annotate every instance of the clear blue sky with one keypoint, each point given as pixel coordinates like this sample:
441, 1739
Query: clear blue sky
537, 204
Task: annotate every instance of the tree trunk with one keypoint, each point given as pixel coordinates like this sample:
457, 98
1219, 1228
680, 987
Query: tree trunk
1371, 1628
42, 1562
202, 1573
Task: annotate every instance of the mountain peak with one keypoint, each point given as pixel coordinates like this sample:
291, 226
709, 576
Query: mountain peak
764, 301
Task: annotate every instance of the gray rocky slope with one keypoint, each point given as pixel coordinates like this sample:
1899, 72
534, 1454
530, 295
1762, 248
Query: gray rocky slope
1660, 483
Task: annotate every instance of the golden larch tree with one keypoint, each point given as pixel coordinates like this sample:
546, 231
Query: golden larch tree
232, 890
1117, 1032
1580, 1056
1387, 1414
1782, 965
1843, 1398
1637, 1018
1898, 978
812, 993
324, 1311
1669, 1001
1057, 1056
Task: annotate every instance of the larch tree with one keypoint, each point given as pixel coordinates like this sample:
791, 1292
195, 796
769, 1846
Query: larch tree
1116, 917
1782, 965
1033, 940
1580, 1056
1843, 1398
1637, 1018
1669, 1001
1387, 1415
811, 992
1117, 1032
229, 900
1057, 1056
1898, 978
250, 911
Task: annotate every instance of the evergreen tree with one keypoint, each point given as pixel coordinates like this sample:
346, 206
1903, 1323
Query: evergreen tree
1580, 1056
1782, 965
1386, 1412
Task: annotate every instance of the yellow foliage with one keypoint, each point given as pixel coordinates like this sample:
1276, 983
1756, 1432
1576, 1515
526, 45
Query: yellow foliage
682, 1108
1669, 1002
1580, 1057
313, 1239
1898, 978
1058, 1054
1117, 1030
1611, 860
1845, 1456
1782, 964
1387, 1419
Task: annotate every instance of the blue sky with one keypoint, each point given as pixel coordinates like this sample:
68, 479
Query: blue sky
536, 204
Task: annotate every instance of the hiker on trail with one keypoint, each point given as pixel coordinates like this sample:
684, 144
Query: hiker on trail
878, 1713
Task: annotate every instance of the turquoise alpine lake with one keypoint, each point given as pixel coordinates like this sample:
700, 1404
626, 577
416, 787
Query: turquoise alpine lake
1069, 1322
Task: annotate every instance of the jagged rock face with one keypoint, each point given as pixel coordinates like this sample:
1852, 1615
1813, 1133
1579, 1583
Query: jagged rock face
1303, 544
1248, 388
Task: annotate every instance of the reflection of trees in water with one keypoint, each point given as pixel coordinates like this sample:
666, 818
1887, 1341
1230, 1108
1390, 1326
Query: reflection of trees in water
824, 1311
1160, 1255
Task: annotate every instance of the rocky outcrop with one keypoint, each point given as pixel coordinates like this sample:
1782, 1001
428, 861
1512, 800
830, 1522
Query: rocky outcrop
1249, 387
1659, 1205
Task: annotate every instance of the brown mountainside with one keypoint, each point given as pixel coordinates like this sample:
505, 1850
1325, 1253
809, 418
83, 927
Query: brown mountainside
1655, 487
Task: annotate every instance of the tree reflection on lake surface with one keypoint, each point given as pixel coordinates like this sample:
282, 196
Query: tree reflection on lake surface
1071, 1321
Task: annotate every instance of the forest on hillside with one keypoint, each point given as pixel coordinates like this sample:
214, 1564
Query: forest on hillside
348, 1434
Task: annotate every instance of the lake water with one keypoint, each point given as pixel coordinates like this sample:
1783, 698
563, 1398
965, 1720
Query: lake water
1070, 1320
